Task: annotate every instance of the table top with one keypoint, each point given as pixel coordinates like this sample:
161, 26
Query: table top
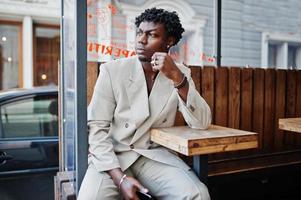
215, 139
290, 124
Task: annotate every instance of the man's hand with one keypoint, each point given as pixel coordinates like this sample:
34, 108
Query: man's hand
129, 187
163, 62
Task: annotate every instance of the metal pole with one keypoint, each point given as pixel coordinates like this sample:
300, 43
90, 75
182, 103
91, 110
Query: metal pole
217, 30
200, 167
81, 144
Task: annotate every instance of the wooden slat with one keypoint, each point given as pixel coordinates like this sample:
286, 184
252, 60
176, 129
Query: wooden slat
269, 109
298, 93
280, 107
258, 162
196, 76
92, 73
234, 98
246, 99
290, 104
258, 103
221, 96
298, 105
208, 87
216, 139
179, 121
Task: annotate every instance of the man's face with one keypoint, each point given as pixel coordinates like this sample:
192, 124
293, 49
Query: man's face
150, 38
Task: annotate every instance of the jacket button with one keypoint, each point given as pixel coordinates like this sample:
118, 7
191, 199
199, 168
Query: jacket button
164, 120
191, 108
151, 142
126, 125
132, 146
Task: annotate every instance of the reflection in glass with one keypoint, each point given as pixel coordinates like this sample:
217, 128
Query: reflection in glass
112, 32
68, 86
47, 55
32, 117
9, 56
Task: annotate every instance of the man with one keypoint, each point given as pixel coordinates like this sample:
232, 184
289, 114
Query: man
131, 96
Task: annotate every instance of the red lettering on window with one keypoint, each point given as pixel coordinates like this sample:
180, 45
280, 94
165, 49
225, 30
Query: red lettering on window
133, 53
117, 52
109, 50
125, 53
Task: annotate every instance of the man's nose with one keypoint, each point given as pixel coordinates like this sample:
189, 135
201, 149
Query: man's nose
142, 38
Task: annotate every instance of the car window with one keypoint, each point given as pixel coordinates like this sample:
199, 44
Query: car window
31, 117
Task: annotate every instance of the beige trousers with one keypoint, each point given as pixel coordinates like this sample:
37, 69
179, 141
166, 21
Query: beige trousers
164, 182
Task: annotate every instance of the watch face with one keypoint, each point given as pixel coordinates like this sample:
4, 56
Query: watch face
143, 196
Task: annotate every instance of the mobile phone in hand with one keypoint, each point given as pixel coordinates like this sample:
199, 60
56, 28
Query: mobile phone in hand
143, 196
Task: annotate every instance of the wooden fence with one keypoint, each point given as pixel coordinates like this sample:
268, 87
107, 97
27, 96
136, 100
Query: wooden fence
253, 99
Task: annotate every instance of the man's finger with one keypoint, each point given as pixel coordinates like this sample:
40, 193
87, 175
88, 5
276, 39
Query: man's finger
141, 188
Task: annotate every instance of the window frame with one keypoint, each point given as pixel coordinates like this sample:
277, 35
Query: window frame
20, 47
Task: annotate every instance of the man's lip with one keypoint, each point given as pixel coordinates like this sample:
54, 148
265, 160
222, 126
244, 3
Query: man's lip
140, 50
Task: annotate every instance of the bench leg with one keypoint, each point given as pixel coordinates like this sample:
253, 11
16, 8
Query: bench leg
200, 167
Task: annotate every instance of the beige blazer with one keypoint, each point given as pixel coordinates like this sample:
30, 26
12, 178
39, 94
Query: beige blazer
121, 114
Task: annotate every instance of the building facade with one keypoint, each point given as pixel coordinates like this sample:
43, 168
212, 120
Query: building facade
255, 33
29, 42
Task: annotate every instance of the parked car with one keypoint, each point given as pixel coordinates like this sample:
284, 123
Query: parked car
28, 143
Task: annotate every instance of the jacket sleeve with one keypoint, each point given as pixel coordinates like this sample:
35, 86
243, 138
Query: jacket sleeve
195, 111
100, 115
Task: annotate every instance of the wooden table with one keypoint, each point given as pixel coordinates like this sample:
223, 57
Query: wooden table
200, 143
290, 124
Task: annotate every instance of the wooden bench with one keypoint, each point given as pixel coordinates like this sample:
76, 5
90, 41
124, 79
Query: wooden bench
290, 124
200, 143
64, 185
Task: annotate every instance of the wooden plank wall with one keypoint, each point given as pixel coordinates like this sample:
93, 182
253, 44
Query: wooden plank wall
253, 99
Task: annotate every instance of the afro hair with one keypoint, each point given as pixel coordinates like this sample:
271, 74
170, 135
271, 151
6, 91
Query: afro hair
170, 20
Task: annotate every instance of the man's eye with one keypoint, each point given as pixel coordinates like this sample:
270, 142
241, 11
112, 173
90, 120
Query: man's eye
138, 33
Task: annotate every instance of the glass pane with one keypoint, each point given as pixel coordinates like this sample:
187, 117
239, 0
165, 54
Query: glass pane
68, 73
33, 117
112, 31
9, 56
273, 55
251, 28
47, 55
292, 57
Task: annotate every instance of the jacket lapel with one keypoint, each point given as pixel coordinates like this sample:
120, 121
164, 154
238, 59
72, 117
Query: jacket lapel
136, 90
158, 98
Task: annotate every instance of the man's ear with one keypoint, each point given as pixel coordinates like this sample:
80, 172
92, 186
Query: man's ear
170, 41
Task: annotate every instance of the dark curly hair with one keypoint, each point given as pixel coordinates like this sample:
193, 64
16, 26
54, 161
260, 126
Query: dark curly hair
170, 20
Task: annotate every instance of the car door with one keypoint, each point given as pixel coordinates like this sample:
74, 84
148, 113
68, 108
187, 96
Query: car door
28, 146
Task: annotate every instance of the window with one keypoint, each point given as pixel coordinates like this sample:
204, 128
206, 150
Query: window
32, 117
111, 30
10, 48
281, 51
46, 54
